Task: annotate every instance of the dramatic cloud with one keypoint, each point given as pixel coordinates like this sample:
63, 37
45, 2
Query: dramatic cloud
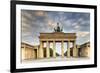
33, 22
82, 34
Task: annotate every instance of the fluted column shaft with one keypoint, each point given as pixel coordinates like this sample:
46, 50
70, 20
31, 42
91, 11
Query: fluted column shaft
68, 49
54, 49
74, 49
47, 50
41, 50
62, 49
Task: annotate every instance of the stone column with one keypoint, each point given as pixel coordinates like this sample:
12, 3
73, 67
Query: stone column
54, 49
62, 49
75, 53
68, 49
40, 50
37, 52
47, 50
88, 50
25, 52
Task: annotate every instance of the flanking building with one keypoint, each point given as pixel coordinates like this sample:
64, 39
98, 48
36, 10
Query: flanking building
84, 50
29, 51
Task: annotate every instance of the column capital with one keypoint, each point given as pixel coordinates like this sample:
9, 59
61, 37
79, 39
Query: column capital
62, 41
74, 41
68, 41
54, 40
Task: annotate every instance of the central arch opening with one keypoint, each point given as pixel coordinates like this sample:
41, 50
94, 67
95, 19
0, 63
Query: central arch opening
58, 49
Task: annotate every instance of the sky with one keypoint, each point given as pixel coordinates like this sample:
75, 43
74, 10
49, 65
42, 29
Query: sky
34, 22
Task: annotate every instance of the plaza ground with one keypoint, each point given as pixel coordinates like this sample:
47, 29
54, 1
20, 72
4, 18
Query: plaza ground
55, 59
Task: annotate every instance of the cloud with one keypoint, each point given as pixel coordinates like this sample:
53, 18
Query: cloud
77, 27
51, 23
36, 21
82, 34
40, 13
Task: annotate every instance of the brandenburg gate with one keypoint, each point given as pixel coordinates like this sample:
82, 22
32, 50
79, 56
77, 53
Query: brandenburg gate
57, 36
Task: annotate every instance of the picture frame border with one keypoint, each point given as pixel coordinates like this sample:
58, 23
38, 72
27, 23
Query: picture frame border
13, 35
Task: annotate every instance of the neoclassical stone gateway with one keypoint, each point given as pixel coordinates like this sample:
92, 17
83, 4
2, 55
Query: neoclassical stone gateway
57, 37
